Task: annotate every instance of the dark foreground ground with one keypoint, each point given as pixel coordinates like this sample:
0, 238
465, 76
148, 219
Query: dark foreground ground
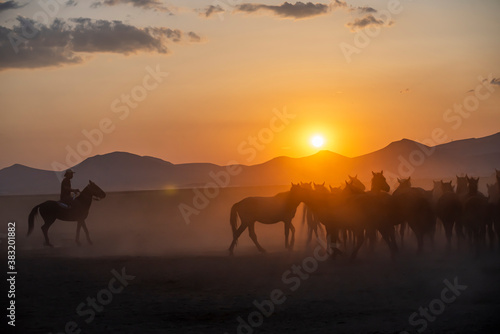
184, 281
217, 293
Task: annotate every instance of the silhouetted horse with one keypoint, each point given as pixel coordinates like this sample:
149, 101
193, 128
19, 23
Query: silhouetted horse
414, 207
494, 204
476, 216
356, 212
308, 217
462, 191
51, 210
266, 210
448, 209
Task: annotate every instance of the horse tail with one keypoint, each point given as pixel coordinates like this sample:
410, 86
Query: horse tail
31, 219
233, 220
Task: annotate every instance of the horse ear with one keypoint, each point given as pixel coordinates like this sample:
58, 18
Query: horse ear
90, 182
399, 180
323, 183
409, 178
382, 172
373, 173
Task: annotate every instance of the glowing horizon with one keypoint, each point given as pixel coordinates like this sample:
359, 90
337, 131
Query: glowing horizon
183, 84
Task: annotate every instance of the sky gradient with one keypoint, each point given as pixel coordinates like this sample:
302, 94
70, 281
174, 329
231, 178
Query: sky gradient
210, 81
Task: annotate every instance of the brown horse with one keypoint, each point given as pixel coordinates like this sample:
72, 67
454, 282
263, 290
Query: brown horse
475, 214
51, 210
266, 210
494, 204
356, 212
310, 218
414, 207
448, 209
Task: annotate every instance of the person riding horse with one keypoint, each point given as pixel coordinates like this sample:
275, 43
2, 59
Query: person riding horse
66, 190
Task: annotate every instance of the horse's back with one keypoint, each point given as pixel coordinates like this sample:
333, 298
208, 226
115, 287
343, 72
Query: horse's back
265, 209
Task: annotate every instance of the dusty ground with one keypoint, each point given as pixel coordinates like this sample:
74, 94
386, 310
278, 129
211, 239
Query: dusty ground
184, 282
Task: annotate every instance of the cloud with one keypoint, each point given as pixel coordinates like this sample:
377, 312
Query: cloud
193, 37
365, 10
63, 42
6, 5
299, 10
338, 4
71, 3
367, 21
144, 4
211, 10
493, 81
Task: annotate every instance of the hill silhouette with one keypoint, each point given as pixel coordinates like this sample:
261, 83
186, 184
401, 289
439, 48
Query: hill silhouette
122, 171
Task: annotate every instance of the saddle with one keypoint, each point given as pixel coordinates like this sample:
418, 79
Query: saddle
63, 205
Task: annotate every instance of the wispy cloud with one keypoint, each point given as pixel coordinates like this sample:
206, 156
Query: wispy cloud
493, 81
211, 10
299, 10
144, 4
62, 42
367, 21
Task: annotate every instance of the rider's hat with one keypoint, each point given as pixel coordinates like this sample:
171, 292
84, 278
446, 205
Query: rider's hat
69, 172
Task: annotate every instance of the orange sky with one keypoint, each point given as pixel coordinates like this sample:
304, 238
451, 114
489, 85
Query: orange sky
228, 78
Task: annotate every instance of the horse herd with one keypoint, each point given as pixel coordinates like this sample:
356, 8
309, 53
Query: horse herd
351, 215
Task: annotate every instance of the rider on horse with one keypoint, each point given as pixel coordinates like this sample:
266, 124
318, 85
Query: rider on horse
66, 189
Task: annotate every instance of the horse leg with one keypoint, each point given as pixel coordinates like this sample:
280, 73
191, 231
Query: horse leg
237, 234
390, 240
448, 230
77, 238
402, 228
309, 232
253, 236
491, 234
360, 238
84, 226
292, 242
331, 241
287, 232
45, 230
420, 242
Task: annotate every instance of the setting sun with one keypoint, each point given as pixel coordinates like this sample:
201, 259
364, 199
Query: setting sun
317, 141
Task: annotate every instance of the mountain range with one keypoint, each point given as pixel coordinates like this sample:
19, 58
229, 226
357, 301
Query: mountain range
122, 171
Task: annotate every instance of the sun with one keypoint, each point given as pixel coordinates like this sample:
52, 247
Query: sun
317, 141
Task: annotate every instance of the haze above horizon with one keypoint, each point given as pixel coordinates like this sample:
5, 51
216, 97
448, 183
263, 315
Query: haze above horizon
235, 81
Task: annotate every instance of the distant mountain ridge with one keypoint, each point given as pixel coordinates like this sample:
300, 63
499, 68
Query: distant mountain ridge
122, 171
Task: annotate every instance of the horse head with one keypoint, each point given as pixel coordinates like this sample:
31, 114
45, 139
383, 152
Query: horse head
462, 184
473, 184
96, 192
447, 186
404, 183
355, 182
320, 188
379, 183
